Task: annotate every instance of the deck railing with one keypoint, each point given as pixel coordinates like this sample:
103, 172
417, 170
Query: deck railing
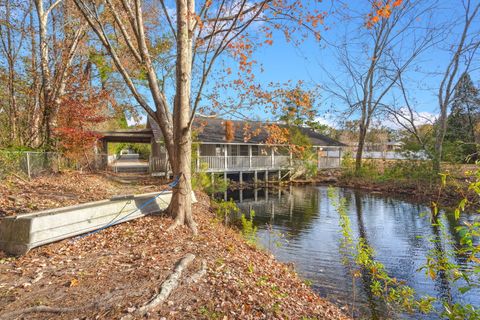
239, 163
244, 162
328, 163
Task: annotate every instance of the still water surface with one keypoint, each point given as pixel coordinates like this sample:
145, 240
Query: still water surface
299, 225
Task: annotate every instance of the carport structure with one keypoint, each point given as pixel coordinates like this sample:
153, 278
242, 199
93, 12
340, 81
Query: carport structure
146, 135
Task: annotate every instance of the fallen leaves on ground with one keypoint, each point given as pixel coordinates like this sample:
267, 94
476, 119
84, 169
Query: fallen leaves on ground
123, 266
68, 188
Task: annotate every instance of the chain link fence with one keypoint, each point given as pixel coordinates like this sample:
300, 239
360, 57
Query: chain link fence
33, 163
30, 163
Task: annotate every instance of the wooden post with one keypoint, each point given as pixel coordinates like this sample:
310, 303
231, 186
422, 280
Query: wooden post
241, 177
266, 176
255, 177
213, 178
279, 176
273, 157
318, 158
225, 156
150, 165
198, 158
28, 166
250, 155
291, 159
225, 176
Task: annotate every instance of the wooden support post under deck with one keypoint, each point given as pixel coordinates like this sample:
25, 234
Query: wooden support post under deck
279, 176
266, 176
241, 177
255, 177
225, 176
213, 178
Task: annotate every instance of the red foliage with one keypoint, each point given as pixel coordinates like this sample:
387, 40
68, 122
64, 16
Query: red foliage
78, 114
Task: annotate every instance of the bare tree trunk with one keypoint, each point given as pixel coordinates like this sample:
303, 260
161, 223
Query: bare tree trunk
10, 56
361, 144
439, 138
181, 203
445, 91
35, 114
46, 79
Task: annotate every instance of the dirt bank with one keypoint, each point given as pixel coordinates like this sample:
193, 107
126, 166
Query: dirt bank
416, 191
110, 274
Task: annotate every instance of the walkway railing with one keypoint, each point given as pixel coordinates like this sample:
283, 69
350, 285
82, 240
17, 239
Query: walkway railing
159, 164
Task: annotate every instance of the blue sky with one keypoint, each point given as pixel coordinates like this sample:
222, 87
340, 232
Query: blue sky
283, 61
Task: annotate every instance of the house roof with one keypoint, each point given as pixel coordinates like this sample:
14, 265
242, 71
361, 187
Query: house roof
212, 130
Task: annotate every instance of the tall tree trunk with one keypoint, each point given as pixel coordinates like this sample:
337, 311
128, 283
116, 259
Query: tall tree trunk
449, 81
439, 138
361, 145
181, 203
36, 110
10, 57
46, 79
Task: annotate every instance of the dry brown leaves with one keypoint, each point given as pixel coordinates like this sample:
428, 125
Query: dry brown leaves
64, 189
123, 266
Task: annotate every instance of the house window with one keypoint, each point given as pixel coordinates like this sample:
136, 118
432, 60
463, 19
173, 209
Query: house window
218, 150
243, 150
233, 150
254, 150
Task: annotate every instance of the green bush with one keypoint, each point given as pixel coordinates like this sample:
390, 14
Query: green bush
224, 209
389, 171
203, 181
249, 230
10, 162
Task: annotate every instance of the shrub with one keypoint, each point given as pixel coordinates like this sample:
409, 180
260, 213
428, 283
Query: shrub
249, 230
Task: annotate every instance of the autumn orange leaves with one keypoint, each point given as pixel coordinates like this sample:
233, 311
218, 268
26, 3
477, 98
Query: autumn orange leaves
381, 9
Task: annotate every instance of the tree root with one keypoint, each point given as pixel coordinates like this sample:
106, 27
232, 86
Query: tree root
199, 274
48, 309
177, 223
167, 287
170, 284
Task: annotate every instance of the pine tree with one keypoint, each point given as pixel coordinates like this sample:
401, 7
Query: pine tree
465, 114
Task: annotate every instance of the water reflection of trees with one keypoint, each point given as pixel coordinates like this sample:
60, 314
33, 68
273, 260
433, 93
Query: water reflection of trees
373, 304
292, 209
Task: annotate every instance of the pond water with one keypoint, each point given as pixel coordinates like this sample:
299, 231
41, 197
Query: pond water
300, 225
